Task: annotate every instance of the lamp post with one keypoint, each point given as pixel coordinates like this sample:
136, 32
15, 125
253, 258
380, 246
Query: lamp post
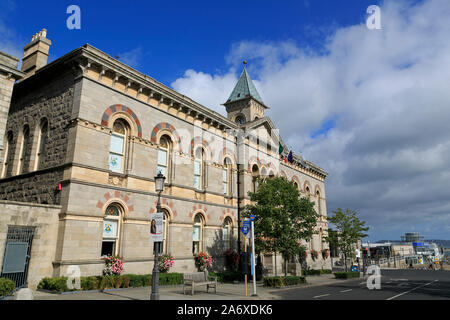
159, 187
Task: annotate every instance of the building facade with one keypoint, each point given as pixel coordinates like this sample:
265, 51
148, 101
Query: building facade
86, 135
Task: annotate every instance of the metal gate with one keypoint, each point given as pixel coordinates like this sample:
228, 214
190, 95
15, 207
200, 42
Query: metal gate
17, 254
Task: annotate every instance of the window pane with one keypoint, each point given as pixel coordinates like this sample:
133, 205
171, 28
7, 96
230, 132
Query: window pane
119, 127
161, 169
162, 157
116, 144
197, 182
225, 187
224, 175
109, 228
196, 233
225, 234
115, 162
108, 248
112, 211
197, 167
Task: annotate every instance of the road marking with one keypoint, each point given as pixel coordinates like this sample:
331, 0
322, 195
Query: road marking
410, 290
346, 290
324, 295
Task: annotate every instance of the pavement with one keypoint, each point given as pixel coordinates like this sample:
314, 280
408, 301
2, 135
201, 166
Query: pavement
225, 291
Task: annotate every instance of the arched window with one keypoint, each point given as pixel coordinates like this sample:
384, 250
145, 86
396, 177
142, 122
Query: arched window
271, 174
318, 203
8, 155
197, 234
23, 149
111, 229
164, 152
227, 229
321, 239
263, 173
199, 169
307, 191
226, 176
295, 184
42, 147
117, 149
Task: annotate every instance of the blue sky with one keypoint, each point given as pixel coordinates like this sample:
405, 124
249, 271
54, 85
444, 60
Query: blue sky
163, 39
368, 106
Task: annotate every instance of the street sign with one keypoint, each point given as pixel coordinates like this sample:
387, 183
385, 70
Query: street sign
245, 229
354, 269
252, 217
156, 227
358, 253
247, 223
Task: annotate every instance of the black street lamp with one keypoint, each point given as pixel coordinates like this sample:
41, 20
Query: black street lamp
159, 187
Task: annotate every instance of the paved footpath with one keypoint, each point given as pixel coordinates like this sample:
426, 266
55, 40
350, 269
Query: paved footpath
225, 291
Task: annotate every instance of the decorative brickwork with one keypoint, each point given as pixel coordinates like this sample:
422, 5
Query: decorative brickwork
165, 126
121, 108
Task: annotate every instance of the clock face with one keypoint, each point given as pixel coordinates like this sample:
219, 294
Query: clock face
240, 120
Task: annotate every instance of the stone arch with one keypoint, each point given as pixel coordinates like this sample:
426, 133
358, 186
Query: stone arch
118, 202
197, 142
317, 189
297, 180
117, 197
306, 187
254, 160
226, 152
118, 109
203, 215
165, 128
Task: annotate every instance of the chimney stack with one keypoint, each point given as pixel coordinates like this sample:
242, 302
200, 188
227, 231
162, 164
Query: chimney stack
36, 53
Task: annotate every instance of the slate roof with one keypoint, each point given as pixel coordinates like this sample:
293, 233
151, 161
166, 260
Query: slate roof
244, 88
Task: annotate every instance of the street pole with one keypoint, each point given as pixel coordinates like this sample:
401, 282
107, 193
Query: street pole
253, 259
245, 252
155, 275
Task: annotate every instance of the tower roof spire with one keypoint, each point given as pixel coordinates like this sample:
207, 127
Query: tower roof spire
244, 88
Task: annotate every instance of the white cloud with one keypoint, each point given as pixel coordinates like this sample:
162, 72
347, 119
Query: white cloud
132, 57
388, 94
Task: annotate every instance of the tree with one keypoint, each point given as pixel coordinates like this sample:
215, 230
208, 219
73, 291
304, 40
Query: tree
282, 219
349, 230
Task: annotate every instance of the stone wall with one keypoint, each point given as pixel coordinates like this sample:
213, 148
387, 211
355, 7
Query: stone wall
8, 64
45, 220
31, 103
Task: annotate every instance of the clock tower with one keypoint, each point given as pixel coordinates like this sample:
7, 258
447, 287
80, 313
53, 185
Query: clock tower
244, 104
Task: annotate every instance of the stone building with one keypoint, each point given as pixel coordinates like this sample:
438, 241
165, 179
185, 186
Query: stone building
86, 135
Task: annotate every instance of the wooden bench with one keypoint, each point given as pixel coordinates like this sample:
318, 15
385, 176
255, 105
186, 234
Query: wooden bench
199, 279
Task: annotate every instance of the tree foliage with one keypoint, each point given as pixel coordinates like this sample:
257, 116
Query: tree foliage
348, 231
282, 218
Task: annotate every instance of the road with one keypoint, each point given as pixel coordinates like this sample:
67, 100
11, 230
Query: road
395, 285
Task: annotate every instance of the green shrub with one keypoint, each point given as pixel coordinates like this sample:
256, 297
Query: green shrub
170, 278
283, 281
229, 276
90, 283
346, 275
58, 284
6, 286
126, 282
315, 272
